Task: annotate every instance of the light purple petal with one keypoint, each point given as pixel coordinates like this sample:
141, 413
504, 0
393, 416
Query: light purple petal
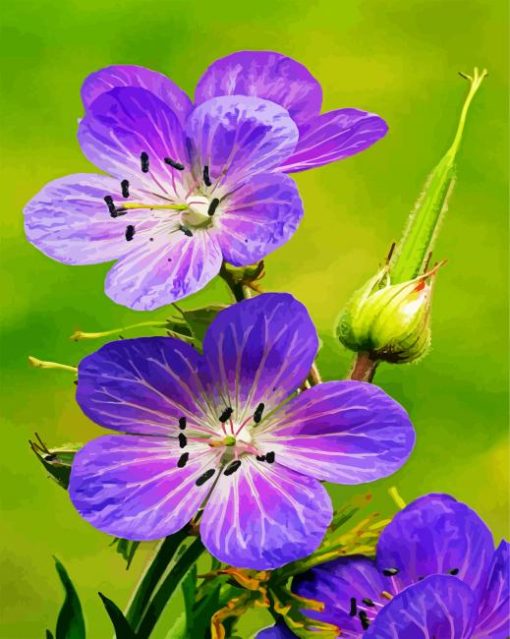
258, 217
124, 75
494, 612
163, 271
141, 386
436, 534
439, 607
122, 124
345, 432
264, 516
236, 137
69, 221
334, 136
263, 74
132, 487
259, 350
336, 584
278, 631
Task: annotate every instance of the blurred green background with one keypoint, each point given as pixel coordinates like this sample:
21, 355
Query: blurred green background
399, 59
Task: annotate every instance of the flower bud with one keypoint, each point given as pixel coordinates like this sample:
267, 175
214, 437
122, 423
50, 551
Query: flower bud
390, 322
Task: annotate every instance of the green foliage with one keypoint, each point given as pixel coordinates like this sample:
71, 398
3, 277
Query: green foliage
121, 625
70, 622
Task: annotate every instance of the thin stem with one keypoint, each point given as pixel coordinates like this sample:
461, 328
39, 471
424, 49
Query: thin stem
364, 367
395, 495
167, 588
79, 335
314, 376
39, 363
238, 289
151, 577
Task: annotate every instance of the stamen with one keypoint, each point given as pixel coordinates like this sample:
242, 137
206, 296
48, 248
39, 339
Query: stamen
368, 602
231, 468
453, 571
225, 415
386, 595
270, 457
183, 460
257, 415
130, 232
182, 423
213, 206
203, 478
111, 206
261, 457
363, 617
354, 607
124, 185
183, 440
207, 179
175, 165
144, 160
390, 572
185, 230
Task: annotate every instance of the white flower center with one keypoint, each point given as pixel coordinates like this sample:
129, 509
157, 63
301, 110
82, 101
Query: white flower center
197, 214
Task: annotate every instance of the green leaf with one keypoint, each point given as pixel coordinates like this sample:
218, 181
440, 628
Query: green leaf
120, 624
126, 549
49, 635
70, 622
200, 319
189, 592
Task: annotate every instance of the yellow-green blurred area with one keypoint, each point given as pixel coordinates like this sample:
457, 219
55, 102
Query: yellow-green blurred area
397, 58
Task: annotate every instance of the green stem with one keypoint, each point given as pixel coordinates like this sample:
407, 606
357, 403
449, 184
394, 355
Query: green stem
423, 224
152, 576
166, 590
79, 335
39, 363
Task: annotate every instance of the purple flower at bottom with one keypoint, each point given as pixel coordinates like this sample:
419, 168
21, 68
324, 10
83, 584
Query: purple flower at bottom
436, 575
191, 186
226, 433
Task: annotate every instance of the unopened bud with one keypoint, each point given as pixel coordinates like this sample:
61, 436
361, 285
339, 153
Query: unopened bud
390, 322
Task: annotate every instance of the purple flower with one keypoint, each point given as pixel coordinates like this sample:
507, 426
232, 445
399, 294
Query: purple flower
226, 433
436, 575
191, 185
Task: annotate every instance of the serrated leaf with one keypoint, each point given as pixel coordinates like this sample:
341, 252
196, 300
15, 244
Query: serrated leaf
120, 624
70, 622
126, 549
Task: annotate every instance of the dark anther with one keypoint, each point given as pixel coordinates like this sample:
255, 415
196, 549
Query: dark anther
231, 468
124, 185
213, 206
390, 572
185, 230
183, 460
203, 478
257, 415
130, 232
270, 457
144, 160
111, 206
354, 607
226, 414
365, 622
368, 602
182, 440
50, 457
182, 423
207, 179
261, 457
453, 571
174, 164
